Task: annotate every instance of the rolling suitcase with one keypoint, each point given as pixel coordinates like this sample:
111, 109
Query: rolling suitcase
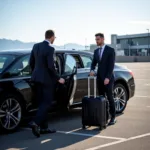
94, 109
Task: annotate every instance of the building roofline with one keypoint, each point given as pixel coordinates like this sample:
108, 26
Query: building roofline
132, 36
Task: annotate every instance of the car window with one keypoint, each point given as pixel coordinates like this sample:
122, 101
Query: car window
86, 61
69, 64
21, 67
78, 61
5, 61
58, 65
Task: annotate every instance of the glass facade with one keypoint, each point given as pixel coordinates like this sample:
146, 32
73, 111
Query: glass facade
133, 52
134, 41
136, 52
126, 43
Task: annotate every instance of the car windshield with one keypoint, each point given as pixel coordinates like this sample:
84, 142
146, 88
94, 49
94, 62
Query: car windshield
5, 61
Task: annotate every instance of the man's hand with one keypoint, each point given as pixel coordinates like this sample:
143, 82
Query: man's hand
106, 81
61, 80
92, 73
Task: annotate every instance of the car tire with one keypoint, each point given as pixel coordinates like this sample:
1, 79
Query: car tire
11, 112
120, 97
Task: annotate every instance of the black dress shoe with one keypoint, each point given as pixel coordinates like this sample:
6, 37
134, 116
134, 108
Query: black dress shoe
35, 129
112, 121
47, 131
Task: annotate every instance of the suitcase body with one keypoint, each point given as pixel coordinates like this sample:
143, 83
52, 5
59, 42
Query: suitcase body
94, 109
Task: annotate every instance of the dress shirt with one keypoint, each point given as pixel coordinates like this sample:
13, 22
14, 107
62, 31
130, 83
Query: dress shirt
103, 47
48, 42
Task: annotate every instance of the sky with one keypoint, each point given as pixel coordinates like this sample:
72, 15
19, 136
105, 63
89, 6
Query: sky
74, 21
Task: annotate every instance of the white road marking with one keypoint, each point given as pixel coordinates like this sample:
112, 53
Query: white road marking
106, 145
148, 106
147, 84
44, 141
117, 142
99, 136
139, 136
91, 135
84, 134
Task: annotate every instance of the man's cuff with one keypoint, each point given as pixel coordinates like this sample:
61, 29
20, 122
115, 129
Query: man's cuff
108, 77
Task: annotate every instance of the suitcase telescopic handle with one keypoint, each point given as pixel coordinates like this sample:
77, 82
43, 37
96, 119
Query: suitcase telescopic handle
89, 78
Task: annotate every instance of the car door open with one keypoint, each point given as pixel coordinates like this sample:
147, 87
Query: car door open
65, 91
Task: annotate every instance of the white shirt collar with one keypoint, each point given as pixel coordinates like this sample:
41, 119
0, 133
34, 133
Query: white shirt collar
48, 42
102, 46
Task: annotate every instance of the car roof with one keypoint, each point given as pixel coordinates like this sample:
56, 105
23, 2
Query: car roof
19, 52
28, 51
16, 51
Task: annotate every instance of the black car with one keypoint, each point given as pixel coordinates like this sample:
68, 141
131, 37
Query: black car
17, 91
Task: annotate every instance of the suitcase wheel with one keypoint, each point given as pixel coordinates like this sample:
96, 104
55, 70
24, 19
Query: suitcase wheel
83, 127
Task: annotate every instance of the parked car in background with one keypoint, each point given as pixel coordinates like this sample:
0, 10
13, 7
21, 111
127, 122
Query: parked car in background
17, 99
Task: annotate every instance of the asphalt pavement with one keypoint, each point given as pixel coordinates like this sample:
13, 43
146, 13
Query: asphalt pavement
131, 132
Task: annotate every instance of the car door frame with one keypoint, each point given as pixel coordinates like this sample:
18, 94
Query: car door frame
80, 71
71, 78
81, 75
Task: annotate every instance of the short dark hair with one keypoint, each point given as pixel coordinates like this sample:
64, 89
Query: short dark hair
100, 34
49, 34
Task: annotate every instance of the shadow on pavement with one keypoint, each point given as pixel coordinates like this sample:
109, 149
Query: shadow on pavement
23, 139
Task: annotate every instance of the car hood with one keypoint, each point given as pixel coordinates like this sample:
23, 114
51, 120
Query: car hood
121, 67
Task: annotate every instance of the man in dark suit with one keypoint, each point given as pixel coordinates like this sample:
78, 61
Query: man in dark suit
44, 77
104, 56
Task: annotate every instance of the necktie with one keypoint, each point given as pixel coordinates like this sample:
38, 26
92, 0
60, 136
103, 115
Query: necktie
100, 51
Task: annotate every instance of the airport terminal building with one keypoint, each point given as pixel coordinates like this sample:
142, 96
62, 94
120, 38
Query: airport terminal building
130, 45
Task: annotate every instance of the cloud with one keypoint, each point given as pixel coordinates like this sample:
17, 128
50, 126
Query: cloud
140, 22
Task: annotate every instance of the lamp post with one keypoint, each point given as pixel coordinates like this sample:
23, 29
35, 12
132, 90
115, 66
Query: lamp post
148, 51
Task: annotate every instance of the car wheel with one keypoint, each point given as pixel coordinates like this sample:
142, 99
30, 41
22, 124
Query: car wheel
120, 97
10, 112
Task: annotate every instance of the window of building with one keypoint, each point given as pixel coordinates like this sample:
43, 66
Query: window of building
140, 41
118, 41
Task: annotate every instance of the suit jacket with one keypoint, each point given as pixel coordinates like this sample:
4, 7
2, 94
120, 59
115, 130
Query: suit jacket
105, 64
42, 64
